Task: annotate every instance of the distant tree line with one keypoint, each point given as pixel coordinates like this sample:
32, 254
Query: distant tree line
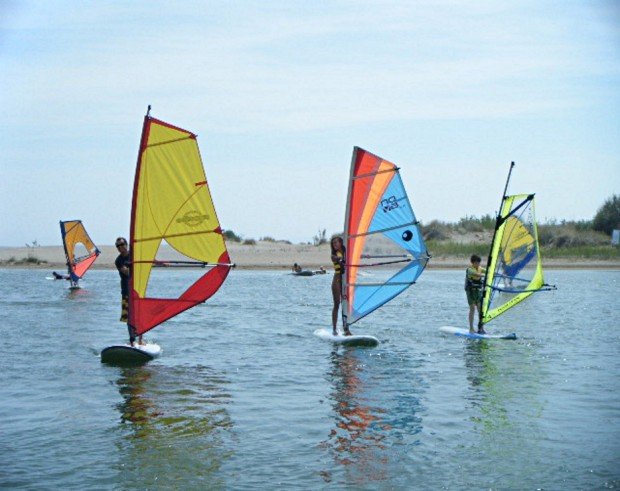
552, 233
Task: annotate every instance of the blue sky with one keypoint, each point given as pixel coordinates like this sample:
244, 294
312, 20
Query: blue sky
280, 92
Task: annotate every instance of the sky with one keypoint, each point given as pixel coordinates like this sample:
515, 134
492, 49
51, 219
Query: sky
279, 93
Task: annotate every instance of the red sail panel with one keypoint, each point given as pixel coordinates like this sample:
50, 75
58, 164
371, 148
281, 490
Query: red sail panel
147, 313
80, 268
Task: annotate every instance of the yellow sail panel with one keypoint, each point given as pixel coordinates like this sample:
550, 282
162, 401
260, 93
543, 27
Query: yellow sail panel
172, 202
517, 241
514, 271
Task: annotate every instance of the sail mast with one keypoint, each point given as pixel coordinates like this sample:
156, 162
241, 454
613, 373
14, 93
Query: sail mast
344, 302
64, 245
498, 222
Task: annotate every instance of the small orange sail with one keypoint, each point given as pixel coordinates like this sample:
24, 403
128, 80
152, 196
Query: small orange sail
80, 250
172, 205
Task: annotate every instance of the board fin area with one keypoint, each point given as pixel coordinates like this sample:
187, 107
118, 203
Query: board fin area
127, 355
354, 340
462, 332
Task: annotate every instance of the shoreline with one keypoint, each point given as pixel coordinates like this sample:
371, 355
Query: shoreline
262, 256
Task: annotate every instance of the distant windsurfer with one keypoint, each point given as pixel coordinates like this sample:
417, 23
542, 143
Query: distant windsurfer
123, 264
473, 288
338, 257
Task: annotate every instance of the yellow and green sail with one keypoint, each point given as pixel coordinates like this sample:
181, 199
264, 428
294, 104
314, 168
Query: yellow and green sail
514, 270
172, 204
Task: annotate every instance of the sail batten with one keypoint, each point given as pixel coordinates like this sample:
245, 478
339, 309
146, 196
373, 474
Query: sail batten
379, 223
387, 229
172, 204
168, 236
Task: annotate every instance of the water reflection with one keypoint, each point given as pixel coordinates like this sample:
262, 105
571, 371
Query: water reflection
506, 385
174, 423
358, 440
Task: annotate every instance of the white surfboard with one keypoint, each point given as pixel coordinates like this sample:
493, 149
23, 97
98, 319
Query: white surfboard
353, 340
459, 331
125, 354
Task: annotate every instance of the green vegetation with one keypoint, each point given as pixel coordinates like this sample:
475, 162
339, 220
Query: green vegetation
31, 259
607, 217
231, 236
563, 239
320, 238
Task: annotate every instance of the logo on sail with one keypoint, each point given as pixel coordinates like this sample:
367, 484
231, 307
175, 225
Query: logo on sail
193, 218
389, 204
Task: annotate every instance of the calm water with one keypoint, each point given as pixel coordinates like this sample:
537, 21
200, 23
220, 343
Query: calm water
245, 397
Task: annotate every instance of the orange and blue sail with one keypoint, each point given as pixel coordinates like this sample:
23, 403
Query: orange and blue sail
385, 250
80, 250
172, 205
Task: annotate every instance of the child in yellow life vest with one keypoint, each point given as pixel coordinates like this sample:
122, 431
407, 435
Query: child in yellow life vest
473, 289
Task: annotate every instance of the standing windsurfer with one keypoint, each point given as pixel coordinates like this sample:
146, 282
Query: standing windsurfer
123, 264
338, 259
473, 288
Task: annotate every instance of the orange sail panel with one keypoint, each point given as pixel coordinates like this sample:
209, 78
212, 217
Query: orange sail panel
80, 251
172, 204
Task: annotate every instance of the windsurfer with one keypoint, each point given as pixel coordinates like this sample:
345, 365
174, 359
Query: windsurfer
123, 264
473, 288
338, 256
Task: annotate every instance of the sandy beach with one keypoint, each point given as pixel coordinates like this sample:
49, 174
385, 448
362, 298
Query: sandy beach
263, 255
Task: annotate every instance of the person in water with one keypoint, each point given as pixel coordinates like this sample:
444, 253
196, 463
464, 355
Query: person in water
473, 288
60, 276
296, 268
123, 264
338, 259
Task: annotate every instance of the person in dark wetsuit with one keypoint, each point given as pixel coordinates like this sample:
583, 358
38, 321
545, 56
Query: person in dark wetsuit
60, 276
338, 257
123, 264
473, 289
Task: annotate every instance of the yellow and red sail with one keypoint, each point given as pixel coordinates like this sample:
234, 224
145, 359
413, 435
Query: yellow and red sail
172, 204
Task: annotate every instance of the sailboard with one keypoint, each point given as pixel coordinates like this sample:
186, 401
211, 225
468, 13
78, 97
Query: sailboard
80, 251
124, 354
172, 210
353, 340
381, 234
459, 331
514, 266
